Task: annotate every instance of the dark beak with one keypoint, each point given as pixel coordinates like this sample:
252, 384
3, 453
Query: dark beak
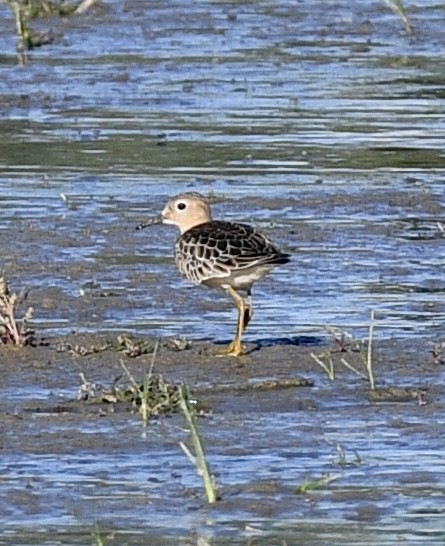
150, 222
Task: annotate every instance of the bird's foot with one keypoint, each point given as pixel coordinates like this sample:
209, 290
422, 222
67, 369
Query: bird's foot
234, 349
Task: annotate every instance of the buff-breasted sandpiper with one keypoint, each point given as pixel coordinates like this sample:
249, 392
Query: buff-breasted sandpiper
219, 254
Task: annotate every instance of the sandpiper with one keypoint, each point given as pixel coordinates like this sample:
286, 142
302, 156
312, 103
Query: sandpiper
219, 254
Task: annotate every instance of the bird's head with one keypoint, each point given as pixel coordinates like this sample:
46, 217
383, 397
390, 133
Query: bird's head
186, 210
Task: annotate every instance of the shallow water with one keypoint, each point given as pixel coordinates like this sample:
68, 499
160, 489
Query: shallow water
319, 121
331, 120
375, 498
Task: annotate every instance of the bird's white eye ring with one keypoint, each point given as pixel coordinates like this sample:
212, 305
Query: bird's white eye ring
181, 205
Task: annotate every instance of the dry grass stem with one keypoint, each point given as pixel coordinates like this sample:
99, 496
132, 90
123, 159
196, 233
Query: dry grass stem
13, 330
84, 6
352, 368
144, 408
369, 353
328, 369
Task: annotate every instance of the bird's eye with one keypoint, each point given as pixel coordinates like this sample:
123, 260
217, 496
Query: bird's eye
181, 206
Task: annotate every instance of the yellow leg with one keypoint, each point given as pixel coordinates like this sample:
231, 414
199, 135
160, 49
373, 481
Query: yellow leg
245, 313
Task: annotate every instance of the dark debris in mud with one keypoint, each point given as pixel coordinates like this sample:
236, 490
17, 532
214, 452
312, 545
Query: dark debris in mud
227, 384
159, 395
125, 344
399, 394
438, 352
